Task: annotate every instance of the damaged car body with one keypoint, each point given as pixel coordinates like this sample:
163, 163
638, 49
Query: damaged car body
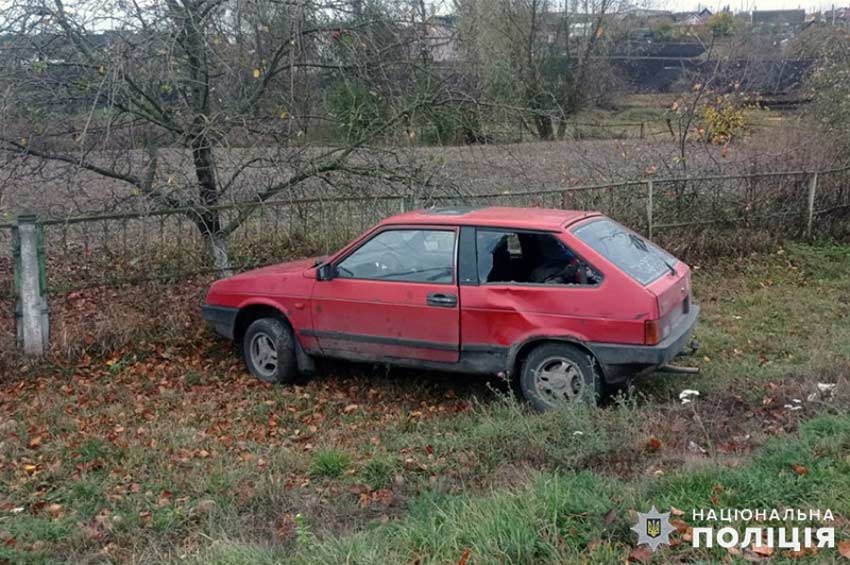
563, 302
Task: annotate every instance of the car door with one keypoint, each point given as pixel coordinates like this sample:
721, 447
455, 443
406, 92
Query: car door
530, 284
392, 297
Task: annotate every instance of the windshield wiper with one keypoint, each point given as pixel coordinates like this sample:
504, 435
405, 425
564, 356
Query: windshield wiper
671, 267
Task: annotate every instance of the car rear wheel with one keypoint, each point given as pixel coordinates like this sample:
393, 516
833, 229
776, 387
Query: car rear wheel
268, 347
558, 374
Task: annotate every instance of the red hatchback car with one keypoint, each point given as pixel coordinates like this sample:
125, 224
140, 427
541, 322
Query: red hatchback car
563, 301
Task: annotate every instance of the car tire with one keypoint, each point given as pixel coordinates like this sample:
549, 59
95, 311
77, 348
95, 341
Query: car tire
555, 374
268, 348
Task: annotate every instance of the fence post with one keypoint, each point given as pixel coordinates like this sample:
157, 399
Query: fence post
813, 186
31, 318
642, 132
649, 206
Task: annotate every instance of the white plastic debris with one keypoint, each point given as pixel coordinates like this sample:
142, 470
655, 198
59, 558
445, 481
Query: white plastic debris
695, 447
826, 387
686, 395
578, 433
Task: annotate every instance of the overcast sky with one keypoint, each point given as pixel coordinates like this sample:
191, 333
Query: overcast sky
745, 5
444, 6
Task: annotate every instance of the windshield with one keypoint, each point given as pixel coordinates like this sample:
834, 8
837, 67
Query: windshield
639, 258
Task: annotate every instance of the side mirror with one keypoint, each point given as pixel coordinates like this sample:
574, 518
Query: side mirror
326, 272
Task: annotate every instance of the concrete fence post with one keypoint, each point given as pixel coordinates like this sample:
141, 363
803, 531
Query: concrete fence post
810, 210
31, 317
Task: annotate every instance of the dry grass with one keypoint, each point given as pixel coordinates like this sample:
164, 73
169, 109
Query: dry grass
144, 439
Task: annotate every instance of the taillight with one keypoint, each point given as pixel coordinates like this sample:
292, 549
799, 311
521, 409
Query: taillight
651, 332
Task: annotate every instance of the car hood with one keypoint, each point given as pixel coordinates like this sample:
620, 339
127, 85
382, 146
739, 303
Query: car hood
291, 267
282, 279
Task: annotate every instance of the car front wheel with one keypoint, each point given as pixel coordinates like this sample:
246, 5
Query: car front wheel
268, 347
556, 374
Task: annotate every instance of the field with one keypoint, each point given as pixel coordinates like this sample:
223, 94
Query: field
605, 152
156, 446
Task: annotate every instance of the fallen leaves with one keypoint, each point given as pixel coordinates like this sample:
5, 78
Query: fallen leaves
844, 549
640, 555
799, 469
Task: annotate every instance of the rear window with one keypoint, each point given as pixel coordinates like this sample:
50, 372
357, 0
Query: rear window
637, 257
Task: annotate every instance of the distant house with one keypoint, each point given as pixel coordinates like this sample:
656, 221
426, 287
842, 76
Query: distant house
441, 39
837, 16
688, 19
779, 17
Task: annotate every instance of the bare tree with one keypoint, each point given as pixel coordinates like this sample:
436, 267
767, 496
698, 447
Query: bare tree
534, 55
121, 90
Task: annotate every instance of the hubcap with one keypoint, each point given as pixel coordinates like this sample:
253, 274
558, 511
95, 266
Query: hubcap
558, 380
264, 355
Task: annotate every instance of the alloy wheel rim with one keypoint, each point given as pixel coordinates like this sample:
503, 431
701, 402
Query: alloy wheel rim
264, 354
558, 381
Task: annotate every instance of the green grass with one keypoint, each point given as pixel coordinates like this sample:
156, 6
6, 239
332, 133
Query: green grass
182, 456
558, 518
329, 462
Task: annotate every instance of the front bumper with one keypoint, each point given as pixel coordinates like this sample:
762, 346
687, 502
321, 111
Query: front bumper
609, 354
222, 318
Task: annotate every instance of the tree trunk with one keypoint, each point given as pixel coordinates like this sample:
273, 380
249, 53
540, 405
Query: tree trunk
544, 127
217, 247
209, 221
562, 128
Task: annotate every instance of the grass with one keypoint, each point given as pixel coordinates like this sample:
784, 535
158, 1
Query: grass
329, 462
170, 452
557, 518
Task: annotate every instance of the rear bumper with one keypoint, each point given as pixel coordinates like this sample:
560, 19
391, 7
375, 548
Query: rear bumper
222, 318
609, 354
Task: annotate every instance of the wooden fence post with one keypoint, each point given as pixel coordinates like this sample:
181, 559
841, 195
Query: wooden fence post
31, 317
649, 206
810, 217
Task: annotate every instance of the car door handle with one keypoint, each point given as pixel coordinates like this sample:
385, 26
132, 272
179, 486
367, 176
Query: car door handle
443, 300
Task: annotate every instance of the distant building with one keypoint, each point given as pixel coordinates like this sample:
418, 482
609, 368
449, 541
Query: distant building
779, 17
441, 39
689, 19
837, 16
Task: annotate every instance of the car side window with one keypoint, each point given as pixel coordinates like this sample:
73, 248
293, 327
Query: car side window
506, 256
410, 255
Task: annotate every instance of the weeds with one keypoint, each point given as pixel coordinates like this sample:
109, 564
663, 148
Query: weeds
179, 455
329, 462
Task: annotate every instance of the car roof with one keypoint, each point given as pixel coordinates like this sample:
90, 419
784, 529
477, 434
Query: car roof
493, 216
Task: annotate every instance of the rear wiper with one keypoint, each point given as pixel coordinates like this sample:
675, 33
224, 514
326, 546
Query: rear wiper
638, 242
641, 244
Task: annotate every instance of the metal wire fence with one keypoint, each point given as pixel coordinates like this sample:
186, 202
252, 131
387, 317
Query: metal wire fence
689, 215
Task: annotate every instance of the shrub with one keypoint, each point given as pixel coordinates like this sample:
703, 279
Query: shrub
722, 121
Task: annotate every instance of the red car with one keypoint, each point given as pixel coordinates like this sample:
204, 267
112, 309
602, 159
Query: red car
563, 301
